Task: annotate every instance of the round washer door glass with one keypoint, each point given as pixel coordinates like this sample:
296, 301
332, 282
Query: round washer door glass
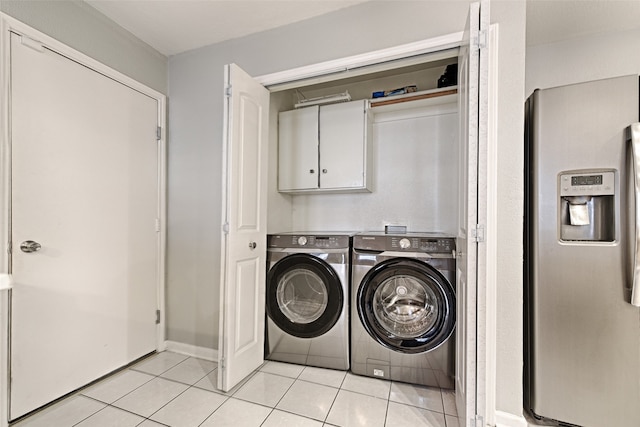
407, 305
304, 295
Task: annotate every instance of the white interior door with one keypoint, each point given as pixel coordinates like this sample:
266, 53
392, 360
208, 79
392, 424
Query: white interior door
245, 158
85, 187
473, 126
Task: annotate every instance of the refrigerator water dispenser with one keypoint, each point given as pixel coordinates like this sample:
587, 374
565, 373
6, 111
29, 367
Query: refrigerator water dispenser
587, 210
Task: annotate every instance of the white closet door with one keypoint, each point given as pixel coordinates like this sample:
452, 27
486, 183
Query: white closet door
84, 170
472, 89
244, 210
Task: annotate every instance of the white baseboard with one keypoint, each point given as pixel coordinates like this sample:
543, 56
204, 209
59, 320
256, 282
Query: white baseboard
505, 419
192, 350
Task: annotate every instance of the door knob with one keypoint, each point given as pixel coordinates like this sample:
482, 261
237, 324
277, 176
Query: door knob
29, 246
252, 245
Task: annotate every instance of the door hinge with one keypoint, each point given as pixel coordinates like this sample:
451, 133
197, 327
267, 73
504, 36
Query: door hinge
9, 248
225, 228
227, 91
478, 233
158, 133
30, 43
157, 317
479, 42
223, 363
157, 225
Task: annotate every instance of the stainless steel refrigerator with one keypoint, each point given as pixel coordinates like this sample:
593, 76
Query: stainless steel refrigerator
582, 329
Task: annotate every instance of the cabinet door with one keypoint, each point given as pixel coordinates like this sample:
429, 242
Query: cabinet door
298, 149
344, 150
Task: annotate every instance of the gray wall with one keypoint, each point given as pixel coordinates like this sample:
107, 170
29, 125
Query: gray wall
511, 19
581, 59
83, 28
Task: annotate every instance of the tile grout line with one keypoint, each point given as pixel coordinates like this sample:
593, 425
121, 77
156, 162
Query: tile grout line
344, 378
339, 388
283, 395
189, 386
386, 412
158, 376
99, 410
126, 394
444, 409
324, 421
333, 403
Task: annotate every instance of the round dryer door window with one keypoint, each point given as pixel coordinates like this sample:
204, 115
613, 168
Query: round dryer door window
304, 295
407, 305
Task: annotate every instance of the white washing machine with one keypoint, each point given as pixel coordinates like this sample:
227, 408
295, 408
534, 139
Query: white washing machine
403, 308
308, 299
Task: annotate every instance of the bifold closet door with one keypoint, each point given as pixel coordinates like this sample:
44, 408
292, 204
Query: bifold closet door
84, 209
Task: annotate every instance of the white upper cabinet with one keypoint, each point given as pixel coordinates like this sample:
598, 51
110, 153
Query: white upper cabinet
326, 148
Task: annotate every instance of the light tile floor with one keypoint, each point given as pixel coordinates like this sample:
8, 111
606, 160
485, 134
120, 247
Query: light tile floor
169, 389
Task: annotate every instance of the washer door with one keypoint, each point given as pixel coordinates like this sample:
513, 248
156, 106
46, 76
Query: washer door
406, 305
304, 295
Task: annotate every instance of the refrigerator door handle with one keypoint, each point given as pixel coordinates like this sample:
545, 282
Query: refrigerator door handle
633, 133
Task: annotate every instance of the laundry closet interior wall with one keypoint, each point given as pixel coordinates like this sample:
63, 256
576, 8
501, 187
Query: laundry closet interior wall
414, 168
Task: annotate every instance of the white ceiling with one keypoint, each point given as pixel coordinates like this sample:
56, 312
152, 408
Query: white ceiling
175, 26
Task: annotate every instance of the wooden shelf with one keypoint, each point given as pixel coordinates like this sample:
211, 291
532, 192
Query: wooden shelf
414, 96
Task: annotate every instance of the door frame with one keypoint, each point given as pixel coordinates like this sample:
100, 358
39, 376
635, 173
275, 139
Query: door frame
486, 269
8, 25
292, 78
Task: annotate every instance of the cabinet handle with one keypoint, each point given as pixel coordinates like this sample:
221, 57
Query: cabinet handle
312, 171
324, 171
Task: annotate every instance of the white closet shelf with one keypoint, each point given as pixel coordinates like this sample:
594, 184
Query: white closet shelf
413, 96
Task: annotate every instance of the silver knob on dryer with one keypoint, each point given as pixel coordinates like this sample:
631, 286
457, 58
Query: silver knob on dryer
302, 240
405, 243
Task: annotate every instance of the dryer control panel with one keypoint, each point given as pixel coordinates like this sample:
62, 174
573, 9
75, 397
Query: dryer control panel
313, 241
428, 243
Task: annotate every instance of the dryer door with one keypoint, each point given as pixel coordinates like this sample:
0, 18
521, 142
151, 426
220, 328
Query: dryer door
406, 305
304, 295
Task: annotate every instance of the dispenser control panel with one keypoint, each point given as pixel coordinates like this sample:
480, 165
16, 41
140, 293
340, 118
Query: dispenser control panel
586, 180
587, 184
